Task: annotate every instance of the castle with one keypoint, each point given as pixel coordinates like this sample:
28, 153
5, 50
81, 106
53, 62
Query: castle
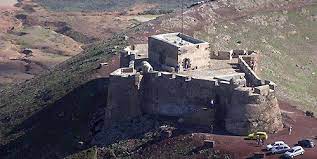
179, 76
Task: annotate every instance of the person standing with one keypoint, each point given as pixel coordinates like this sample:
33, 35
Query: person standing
211, 129
258, 140
290, 130
177, 68
212, 103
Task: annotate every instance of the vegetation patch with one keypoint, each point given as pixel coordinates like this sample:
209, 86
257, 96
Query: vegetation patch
285, 40
57, 104
85, 154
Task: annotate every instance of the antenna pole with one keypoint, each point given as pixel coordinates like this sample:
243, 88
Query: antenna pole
182, 16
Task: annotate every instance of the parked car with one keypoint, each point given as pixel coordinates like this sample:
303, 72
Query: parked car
294, 151
306, 143
253, 136
280, 149
275, 144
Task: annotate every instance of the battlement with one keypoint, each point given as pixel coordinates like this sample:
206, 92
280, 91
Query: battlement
178, 77
229, 55
222, 55
252, 78
259, 85
226, 81
246, 78
124, 72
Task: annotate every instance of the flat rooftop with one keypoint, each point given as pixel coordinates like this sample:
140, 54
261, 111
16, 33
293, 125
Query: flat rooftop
140, 51
178, 39
219, 69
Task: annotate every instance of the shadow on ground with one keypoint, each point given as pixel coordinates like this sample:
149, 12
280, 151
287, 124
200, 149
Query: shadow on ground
56, 130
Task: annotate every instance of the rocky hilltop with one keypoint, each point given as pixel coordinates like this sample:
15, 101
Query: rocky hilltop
58, 113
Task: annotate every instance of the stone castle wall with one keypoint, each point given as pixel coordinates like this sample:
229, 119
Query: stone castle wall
249, 112
162, 93
174, 95
252, 78
243, 103
123, 96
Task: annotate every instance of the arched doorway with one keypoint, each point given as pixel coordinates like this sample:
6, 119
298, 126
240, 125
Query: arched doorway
186, 64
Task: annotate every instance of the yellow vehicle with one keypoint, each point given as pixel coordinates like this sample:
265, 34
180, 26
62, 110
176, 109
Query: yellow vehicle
253, 136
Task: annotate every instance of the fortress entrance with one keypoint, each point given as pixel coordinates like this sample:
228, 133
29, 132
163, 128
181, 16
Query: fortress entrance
186, 63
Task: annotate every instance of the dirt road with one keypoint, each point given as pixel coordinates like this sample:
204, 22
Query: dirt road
303, 127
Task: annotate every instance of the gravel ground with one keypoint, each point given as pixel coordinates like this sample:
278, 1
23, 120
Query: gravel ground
303, 127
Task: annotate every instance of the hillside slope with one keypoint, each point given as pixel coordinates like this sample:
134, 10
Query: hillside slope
284, 32
55, 108
54, 35
111, 5
51, 113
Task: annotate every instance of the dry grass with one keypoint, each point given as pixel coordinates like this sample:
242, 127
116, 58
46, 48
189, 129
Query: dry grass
269, 32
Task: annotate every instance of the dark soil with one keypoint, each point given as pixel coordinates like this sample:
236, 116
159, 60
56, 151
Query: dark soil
303, 127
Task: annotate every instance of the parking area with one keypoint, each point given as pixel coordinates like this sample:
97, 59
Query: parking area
302, 127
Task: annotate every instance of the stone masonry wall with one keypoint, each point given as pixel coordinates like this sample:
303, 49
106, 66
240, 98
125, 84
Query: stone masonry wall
249, 112
198, 55
159, 50
252, 78
123, 98
223, 55
178, 96
163, 53
167, 94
